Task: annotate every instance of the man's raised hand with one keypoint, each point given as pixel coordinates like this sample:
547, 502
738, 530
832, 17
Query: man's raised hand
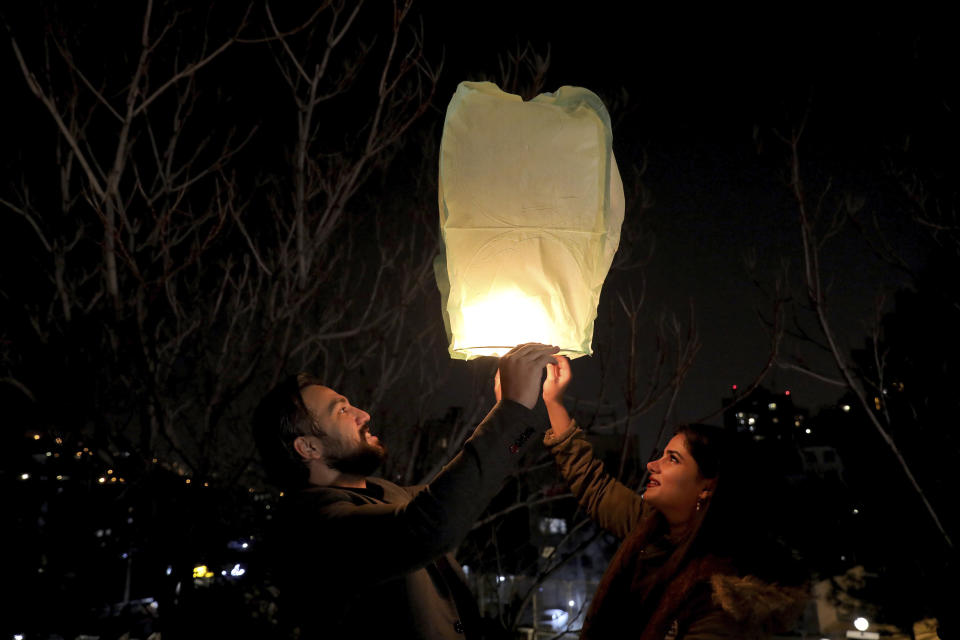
521, 369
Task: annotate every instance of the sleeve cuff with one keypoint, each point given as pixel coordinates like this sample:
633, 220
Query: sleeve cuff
551, 440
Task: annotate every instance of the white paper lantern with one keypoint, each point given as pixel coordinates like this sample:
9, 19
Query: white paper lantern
531, 205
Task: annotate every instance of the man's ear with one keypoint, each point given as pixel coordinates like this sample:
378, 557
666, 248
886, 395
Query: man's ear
308, 447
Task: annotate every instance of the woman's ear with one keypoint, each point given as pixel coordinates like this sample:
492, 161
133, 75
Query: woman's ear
308, 447
707, 489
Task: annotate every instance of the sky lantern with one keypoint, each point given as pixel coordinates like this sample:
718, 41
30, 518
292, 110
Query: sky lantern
531, 205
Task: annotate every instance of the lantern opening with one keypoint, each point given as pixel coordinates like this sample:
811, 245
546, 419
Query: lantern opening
502, 320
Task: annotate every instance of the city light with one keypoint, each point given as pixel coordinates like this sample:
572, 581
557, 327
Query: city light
861, 624
201, 571
24, 476
808, 431
846, 408
772, 406
572, 603
237, 571
556, 618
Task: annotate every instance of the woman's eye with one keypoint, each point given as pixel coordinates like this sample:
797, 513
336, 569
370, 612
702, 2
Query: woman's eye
674, 459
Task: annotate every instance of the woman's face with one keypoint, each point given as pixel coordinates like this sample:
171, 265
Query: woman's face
675, 482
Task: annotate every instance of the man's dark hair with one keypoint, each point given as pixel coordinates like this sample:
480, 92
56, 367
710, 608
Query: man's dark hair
279, 419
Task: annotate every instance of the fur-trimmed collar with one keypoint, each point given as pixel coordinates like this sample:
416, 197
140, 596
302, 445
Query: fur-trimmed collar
756, 608
707, 590
758, 605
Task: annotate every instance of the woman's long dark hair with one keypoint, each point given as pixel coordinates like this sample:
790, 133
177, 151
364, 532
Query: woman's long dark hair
726, 532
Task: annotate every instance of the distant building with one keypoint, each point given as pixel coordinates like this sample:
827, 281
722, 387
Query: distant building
764, 414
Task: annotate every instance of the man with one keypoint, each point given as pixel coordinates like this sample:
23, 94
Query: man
361, 557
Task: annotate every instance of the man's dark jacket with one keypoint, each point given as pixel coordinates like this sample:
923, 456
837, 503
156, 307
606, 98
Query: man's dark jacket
376, 563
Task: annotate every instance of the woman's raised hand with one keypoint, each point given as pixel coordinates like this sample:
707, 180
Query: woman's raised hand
557, 380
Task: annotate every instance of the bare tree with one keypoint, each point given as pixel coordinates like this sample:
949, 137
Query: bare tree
218, 276
821, 217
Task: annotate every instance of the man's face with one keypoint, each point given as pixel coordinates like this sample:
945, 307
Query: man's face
348, 445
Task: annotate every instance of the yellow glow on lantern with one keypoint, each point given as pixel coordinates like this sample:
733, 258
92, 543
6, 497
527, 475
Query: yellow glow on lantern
497, 323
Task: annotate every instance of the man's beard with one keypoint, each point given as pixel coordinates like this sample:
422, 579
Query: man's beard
360, 462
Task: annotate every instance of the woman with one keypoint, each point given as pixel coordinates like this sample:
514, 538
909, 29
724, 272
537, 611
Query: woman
692, 556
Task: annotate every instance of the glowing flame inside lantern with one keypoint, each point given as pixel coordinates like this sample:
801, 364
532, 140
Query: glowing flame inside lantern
494, 325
